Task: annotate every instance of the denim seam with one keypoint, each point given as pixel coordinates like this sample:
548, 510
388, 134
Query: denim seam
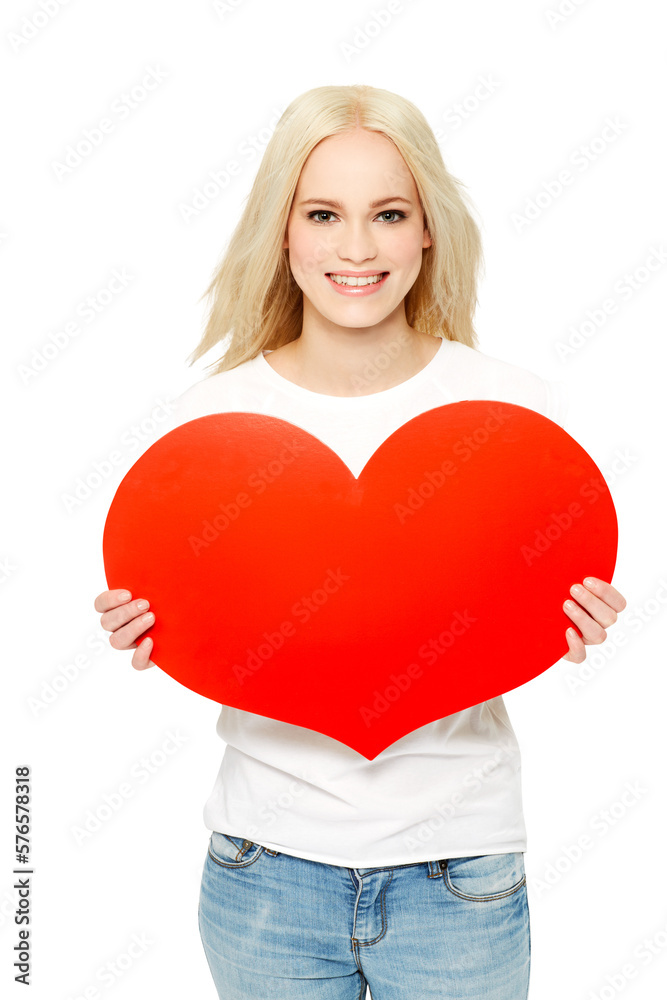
389, 868
383, 905
483, 899
235, 864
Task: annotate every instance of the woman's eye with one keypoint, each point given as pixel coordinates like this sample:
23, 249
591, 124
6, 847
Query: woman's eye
393, 211
318, 213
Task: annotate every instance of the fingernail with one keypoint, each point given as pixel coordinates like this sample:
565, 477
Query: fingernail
149, 617
142, 605
124, 595
590, 581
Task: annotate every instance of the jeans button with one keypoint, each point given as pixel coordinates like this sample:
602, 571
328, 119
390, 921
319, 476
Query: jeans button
247, 844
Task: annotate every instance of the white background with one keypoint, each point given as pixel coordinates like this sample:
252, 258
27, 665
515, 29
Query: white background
220, 79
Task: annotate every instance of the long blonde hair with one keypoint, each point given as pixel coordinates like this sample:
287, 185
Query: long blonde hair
255, 301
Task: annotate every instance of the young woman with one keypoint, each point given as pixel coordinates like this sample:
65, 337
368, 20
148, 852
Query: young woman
346, 295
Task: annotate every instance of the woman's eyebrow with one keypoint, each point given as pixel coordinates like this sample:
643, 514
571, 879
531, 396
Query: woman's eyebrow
337, 204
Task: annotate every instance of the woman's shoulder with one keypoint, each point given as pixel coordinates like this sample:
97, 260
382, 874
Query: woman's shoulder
493, 378
222, 392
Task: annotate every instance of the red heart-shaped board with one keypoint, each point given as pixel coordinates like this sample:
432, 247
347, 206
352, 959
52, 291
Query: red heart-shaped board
362, 608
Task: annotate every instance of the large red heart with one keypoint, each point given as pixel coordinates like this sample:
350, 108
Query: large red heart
360, 608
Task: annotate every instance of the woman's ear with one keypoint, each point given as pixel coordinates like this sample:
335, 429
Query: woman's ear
427, 239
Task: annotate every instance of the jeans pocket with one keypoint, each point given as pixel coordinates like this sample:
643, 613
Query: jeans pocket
487, 876
232, 852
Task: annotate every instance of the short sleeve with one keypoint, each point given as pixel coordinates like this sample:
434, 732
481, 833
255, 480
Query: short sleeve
186, 406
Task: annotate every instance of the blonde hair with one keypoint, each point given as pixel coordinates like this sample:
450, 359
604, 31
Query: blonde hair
255, 301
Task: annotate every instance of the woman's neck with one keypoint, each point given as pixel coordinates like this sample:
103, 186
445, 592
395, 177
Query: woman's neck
354, 365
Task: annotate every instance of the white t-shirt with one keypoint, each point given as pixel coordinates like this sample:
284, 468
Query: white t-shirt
451, 788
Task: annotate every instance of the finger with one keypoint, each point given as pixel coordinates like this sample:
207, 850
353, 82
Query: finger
140, 660
117, 617
577, 653
597, 608
606, 593
591, 632
109, 599
123, 637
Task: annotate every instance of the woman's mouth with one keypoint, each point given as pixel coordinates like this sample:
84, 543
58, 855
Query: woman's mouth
359, 285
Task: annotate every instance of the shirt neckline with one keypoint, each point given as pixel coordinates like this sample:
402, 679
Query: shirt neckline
299, 392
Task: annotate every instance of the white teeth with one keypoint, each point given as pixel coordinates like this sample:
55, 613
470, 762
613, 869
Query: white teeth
342, 279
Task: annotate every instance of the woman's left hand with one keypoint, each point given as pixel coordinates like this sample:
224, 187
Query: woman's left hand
593, 608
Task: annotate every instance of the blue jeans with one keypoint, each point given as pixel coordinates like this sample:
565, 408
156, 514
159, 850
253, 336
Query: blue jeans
275, 926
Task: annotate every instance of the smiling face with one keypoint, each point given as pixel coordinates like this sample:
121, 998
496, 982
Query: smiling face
355, 213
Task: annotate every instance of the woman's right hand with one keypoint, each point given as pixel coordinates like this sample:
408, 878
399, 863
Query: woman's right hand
126, 620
